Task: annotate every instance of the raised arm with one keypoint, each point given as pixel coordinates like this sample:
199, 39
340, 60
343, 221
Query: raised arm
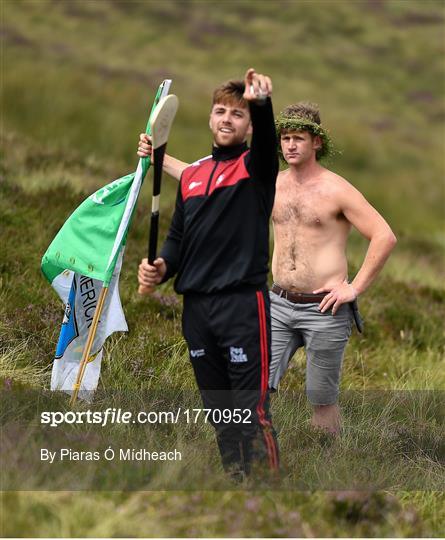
172, 166
263, 159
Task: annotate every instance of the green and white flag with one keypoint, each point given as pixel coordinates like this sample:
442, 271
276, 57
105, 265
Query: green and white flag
80, 294
90, 240
85, 256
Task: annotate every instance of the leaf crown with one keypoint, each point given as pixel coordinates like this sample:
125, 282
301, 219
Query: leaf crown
299, 123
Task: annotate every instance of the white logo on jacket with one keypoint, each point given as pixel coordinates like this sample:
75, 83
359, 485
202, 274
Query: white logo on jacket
196, 353
220, 179
237, 355
192, 185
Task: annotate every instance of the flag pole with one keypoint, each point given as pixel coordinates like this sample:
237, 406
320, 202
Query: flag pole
89, 344
162, 90
144, 164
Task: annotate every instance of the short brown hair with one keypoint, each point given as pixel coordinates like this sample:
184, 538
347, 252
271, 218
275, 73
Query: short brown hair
230, 92
303, 109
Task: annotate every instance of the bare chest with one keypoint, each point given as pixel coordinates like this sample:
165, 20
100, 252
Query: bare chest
304, 207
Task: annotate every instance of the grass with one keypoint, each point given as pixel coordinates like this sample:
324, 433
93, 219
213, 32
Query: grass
76, 84
391, 440
214, 514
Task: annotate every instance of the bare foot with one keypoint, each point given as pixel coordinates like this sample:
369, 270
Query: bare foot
327, 418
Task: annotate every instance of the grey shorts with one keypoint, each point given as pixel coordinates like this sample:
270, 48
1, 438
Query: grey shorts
324, 338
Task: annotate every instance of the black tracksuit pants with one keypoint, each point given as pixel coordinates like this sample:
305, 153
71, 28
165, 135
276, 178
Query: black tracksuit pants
228, 336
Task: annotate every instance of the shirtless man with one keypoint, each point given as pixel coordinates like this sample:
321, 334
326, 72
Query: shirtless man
313, 213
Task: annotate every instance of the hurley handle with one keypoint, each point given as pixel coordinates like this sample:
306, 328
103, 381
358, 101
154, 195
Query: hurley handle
160, 122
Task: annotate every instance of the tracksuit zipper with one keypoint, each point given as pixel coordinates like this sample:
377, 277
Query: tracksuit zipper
210, 178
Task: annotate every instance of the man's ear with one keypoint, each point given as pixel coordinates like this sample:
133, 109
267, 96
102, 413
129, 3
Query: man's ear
250, 129
318, 143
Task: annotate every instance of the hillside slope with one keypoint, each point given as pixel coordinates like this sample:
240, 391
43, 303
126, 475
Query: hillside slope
77, 80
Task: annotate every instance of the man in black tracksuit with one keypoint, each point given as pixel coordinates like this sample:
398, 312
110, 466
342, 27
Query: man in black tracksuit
218, 248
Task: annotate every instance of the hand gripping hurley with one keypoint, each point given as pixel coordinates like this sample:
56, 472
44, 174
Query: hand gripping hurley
161, 122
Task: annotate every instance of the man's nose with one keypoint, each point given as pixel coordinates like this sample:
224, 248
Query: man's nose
226, 118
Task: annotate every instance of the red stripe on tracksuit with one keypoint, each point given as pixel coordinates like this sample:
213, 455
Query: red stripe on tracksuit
264, 422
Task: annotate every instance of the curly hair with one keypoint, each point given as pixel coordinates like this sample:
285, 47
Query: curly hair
303, 109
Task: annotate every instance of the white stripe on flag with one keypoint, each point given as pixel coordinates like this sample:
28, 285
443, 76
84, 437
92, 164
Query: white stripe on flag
80, 306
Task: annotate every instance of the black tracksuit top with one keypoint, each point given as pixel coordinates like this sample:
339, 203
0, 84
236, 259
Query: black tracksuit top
219, 234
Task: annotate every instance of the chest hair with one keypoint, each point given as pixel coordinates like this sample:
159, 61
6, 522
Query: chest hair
307, 205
